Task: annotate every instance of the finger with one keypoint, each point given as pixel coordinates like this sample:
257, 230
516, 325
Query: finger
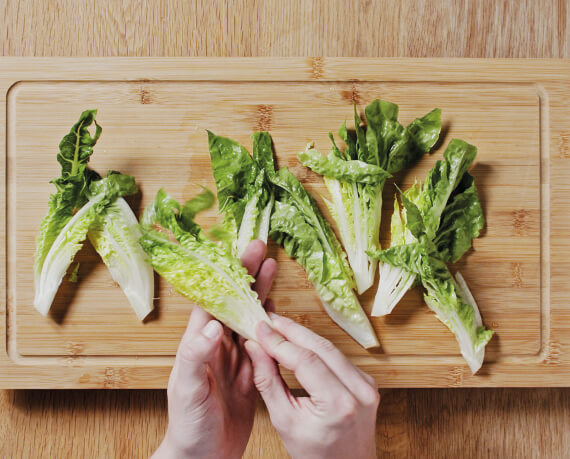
244, 375
196, 351
369, 379
264, 278
253, 256
313, 374
345, 371
198, 320
268, 382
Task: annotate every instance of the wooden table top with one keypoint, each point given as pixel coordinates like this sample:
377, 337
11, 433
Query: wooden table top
411, 423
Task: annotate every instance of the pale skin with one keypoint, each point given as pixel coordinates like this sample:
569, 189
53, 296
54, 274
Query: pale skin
216, 377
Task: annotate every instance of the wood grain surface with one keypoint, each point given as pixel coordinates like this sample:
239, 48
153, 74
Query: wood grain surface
411, 423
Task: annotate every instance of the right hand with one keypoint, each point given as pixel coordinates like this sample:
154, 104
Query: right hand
338, 418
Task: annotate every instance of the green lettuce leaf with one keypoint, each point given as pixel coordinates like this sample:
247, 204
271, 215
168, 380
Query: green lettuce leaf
355, 178
75, 149
115, 236
444, 208
437, 224
197, 204
70, 239
200, 269
74, 276
449, 298
454, 305
442, 180
349, 171
461, 221
298, 225
243, 195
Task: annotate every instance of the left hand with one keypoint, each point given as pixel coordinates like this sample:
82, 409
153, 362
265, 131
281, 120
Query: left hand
211, 395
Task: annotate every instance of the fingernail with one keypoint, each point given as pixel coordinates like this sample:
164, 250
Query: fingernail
264, 329
211, 330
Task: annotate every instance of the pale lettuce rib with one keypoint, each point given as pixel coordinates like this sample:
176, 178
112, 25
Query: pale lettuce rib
115, 235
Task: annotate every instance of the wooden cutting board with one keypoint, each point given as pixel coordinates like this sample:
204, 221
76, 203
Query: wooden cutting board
154, 113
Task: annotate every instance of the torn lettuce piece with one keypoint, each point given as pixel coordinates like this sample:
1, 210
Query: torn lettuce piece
355, 178
70, 239
115, 236
74, 276
455, 306
445, 208
438, 223
202, 270
395, 281
298, 226
243, 195
449, 298
75, 149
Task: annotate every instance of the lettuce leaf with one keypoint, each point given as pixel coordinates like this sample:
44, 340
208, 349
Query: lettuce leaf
331, 166
300, 228
70, 239
75, 149
437, 224
115, 236
445, 208
441, 181
461, 221
84, 205
197, 267
355, 178
449, 298
243, 195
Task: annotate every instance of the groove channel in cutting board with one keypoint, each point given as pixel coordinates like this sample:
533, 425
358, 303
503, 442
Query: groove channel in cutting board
156, 131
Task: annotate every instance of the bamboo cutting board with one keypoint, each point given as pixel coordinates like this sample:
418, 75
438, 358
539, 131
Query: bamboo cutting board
154, 113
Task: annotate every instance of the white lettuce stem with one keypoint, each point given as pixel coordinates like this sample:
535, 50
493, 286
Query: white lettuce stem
263, 231
248, 223
472, 353
58, 259
393, 285
127, 265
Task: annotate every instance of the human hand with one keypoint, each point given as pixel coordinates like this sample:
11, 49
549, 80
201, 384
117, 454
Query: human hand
211, 395
338, 418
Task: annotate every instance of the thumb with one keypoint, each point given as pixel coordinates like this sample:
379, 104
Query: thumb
196, 350
269, 383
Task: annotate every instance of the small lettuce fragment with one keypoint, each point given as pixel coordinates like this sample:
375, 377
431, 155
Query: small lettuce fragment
200, 269
70, 239
74, 276
298, 226
243, 195
115, 236
355, 178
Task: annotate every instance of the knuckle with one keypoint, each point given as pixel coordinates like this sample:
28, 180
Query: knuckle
278, 342
347, 409
325, 346
370, 397
370, 380
307, 358
263, 383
